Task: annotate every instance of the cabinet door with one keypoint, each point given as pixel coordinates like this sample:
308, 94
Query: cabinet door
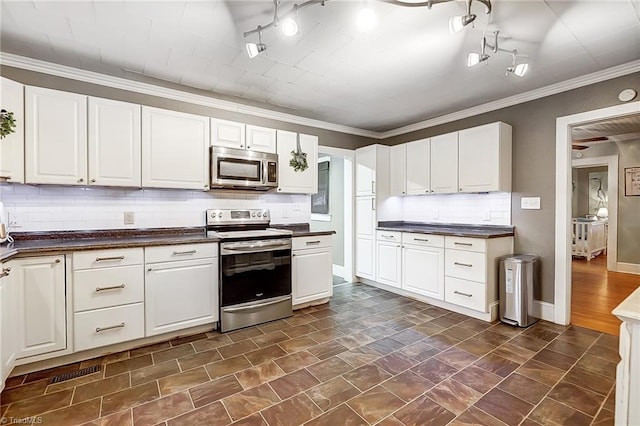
398, 169
365, 258
478, 155
226, 133
290, 181
366, 170
261, 139
8, 347
114, 143
389, 263
312, 276
444, 163
423, 271
41, 305
55, 137
180, 295
175, 149
365, 216
418, 167
12, 146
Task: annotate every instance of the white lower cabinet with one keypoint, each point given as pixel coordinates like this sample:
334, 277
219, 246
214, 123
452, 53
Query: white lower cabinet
107, 326
389, 255
312, 265
8, 346
423, 264
365, 257
180, 294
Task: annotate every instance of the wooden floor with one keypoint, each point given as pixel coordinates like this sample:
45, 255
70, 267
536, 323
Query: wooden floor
595, 292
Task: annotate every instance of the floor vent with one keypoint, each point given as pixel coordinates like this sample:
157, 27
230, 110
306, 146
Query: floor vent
72, 375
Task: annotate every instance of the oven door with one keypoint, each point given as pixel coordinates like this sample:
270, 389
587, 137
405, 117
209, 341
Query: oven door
255, 282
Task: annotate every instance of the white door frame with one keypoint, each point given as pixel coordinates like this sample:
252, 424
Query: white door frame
349, 207
611, 162
562, 289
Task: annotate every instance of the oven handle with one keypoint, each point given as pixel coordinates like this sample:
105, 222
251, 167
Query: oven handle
254, 248
258, 305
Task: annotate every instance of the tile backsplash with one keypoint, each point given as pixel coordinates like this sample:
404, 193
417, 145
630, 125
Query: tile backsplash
488, 209
46, 208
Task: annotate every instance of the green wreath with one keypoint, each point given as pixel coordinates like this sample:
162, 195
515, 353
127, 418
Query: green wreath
7, 123
298, 158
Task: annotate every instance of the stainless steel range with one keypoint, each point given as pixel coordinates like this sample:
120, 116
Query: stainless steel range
255, 267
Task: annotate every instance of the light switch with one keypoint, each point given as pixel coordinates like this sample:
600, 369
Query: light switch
530, 203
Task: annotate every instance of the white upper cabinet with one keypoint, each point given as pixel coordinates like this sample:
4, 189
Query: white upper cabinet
366, 170
229, 134
175, 149
56, 137
290, 181
418, 167
444, 163
484, 158
262, 139
398, 169
12, 146
114, 143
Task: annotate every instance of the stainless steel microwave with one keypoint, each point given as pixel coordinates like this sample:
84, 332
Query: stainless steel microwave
242, 169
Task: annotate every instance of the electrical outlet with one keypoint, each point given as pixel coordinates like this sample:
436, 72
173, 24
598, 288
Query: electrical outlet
129, 218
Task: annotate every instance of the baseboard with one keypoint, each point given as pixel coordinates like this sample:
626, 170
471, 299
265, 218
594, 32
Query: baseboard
543, 310
628, 268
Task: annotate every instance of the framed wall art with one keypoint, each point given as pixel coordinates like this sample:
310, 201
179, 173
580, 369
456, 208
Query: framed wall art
631, 181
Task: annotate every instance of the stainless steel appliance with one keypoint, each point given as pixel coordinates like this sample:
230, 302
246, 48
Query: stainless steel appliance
519, 277
255, 268
242, 169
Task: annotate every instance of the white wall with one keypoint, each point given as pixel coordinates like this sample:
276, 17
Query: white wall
48, 208
485, 209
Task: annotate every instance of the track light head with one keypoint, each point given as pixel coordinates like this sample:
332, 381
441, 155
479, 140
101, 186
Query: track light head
289, 26
457, 23
521, 70
518, 69
254, 49
476, 58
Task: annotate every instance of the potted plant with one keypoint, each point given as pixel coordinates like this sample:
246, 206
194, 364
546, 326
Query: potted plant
7, 123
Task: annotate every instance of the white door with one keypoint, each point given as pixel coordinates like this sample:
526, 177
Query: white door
229, 134
7, 322
478, 158
55, 137
389, 263
312, 277
365, 258
398, 169
41, 305
180, 295
365, 216
418, 167
423, 271
289, 180
366, 170
175, 149
444, 163
12, 146
114, 143
261, 139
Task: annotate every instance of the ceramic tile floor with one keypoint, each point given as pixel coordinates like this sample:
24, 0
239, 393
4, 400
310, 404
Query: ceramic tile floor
366, 357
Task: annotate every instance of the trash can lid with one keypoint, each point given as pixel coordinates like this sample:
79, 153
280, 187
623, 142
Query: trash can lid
521, 258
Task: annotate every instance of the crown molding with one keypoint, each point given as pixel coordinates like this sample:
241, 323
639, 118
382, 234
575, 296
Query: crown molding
563, 86
92, 77
64, 71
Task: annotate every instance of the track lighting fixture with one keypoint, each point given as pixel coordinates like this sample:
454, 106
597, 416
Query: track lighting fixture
254, 49
519, 69
457, 23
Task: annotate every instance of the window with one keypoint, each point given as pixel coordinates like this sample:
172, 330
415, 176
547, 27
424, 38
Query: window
320, 201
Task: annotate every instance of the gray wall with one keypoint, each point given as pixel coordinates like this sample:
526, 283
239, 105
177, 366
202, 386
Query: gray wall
534, 147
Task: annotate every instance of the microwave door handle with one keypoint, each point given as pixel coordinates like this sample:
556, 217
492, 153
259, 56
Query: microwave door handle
265, 171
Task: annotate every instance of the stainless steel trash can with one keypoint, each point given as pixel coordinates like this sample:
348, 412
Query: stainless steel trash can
519, 275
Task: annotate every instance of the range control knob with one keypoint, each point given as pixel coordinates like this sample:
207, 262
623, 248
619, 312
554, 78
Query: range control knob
259, 214
220, 215
253, 214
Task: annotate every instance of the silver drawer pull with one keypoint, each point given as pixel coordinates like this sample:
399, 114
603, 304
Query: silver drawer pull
462, 294
105, 259
309, 243
426, 240
111, 327
463, 244
115, 287
468, 265
388, 237
177, 253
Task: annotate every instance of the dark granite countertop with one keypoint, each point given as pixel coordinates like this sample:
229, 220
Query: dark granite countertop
451, 229
35, 243
301, 229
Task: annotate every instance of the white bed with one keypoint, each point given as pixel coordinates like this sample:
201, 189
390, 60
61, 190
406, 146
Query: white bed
589, 237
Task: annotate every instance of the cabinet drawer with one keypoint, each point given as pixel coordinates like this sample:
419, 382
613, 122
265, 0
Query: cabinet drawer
467, 265
104, 287
300, 243
107, 258
389, 236
464, 243
465, 293
423, 239
180, 252
102, 327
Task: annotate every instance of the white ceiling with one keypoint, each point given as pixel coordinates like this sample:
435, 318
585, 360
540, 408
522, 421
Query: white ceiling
407, 69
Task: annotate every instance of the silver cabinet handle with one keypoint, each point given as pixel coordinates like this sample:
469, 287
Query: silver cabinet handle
468, 265
115, 287
462, 244
57, 261
105, 259
177, 253
111, 327
309, 243
93, 181
426, 240
373, 204
5, 272
388, 237
462, 294
5, 177
373, 187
